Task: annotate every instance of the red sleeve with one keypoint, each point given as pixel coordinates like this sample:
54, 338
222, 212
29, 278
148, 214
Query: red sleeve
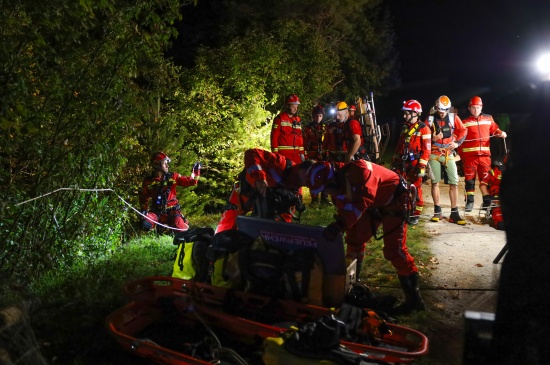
426, 135
494, 126
460, 131
184, 180
275, 133
253, 160
355, 127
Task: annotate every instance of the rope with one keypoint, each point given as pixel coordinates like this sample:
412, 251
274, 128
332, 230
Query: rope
437, 288
102, 190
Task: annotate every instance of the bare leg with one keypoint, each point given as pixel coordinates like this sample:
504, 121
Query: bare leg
435, 193
453, 195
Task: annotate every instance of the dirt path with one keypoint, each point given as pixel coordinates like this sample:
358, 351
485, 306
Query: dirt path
463, 276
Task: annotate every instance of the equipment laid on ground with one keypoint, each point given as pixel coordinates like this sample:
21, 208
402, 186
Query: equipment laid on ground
175, 321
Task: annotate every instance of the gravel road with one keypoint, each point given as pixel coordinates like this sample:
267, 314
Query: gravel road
462, 274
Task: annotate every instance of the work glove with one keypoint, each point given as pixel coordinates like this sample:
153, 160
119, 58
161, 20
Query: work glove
421, 171
196, 172
487, 199
331, 232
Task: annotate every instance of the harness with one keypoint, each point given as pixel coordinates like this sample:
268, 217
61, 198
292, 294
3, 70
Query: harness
408, 155
161, 202
447, 130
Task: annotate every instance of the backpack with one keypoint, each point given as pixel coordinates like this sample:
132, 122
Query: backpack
191, 262
261, 266
223, 255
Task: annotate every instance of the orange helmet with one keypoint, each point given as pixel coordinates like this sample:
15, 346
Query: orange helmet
443, 103
476, 100
293, 99
158, 157
413, 106
317, 176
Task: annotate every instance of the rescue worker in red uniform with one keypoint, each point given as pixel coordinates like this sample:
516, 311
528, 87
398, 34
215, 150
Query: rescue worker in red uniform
313, 143
313, 133
413, 152
286, 132
353, 134
352, 109
240, 202
366, 196
334, 144
490, 189
158, 197
266, 175
475, 151
448, 133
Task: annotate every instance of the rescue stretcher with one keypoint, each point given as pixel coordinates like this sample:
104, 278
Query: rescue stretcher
203, 314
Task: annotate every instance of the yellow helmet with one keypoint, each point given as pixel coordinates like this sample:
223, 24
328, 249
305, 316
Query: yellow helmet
341, 106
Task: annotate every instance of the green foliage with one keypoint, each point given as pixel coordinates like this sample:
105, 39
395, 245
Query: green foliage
88, 93
82, 76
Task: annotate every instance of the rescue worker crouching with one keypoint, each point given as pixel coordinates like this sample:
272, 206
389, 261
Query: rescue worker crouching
367, 195
269, 187
158, 197
490, 189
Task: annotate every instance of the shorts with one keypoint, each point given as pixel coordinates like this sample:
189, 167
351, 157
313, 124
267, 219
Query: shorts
436, 161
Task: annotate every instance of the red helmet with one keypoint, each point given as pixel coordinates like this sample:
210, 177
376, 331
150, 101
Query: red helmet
317, 176
413, 106
293, 99
476, 100
318, 110
158, 157
352, 107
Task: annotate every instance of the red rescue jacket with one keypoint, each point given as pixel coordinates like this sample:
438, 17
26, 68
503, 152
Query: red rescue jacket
492, 181
414, 145
162, 191
313, 140
477, 142
275, 168
286, 137
362, 185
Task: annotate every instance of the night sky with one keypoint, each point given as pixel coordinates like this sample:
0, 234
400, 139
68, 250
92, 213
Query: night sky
466, 48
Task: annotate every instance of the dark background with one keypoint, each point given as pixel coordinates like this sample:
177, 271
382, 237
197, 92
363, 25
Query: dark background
467, 48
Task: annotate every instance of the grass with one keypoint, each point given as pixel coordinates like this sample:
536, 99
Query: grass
73, 303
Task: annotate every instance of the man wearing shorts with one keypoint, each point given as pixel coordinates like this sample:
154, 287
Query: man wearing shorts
448, 133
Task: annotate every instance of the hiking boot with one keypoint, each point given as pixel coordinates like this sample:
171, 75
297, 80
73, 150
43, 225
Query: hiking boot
437, 214
413, 220
455, 217
469, 206
413, 299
